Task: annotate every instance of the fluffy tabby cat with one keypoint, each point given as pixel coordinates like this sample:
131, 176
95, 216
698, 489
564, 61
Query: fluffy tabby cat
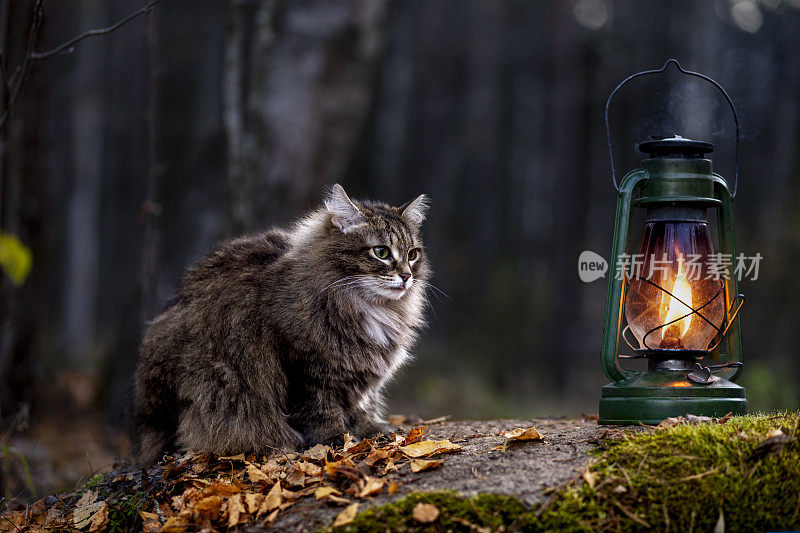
286, 338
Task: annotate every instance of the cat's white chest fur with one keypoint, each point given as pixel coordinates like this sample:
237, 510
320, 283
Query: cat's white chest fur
382, 325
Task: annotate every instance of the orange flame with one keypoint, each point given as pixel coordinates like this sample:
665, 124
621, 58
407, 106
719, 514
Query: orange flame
672, 307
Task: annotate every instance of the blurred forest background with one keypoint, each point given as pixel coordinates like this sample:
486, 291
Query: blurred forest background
128, 158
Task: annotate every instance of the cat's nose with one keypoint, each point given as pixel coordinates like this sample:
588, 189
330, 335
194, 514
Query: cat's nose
405, 276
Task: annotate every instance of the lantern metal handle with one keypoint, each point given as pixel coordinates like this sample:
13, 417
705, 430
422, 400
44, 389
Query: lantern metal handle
687, 72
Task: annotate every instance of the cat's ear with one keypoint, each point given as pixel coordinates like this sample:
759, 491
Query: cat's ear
346, 215
415, 210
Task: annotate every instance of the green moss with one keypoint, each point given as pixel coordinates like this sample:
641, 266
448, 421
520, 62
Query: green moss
677, 479
682, 478
457, 513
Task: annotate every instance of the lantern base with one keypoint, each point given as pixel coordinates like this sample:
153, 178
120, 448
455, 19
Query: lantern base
650, 397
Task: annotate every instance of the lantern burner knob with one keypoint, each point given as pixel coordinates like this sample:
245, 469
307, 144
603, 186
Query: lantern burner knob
675, 146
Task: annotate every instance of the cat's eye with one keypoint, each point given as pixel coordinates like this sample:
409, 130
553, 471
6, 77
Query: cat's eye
413, 254
381, 252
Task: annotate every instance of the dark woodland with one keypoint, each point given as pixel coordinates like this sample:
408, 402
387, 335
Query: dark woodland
129, 155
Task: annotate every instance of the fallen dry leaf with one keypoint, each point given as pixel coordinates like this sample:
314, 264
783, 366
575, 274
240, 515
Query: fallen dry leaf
253, 502
590, 478
221, 489
337, 499
774, 432
235, 510
273, 500
523, 434
670, 422
518, 435
772, 445
349, 441
427, 448
415, 435
421, 465
425, 513
325, 492
86, 508
393, 487
255, 474
270, 518
99, 519
177, 524
150, 522
372, 486
346, 516
318, 452
362, 446
376, 456
237, 457
209, 506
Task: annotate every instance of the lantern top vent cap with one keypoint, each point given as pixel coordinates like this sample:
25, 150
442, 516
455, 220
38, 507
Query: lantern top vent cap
675, 146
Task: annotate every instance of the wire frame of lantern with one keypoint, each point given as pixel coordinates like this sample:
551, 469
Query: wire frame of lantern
644, 350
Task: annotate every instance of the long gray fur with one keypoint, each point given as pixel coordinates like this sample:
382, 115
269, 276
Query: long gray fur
286, 338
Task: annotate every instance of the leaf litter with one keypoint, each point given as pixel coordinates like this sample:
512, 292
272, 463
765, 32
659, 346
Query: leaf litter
197, 491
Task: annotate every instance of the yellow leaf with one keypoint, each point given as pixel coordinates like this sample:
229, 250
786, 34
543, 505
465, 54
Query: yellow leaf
523, 434
325, 492
209, 506
150, 522
393, 487
421, 465
253, 502
256, 475
273, 499
346, 516
372, 487
309, 469
425, 513
271, 518
176, 524
221, 489
235, 510
427, 448
337, 499
590, 478
15, 258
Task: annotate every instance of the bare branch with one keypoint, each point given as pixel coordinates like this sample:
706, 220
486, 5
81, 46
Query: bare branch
67, 46
20, 77
15, 85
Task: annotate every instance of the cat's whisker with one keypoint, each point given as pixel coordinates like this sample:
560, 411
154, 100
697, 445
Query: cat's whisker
351, 283
434, 287
338, 281
433, 311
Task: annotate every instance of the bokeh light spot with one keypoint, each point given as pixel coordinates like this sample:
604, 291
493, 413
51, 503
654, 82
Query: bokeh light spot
592, 14
747, 16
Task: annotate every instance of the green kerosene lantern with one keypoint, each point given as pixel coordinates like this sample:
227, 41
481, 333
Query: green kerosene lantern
672, 307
